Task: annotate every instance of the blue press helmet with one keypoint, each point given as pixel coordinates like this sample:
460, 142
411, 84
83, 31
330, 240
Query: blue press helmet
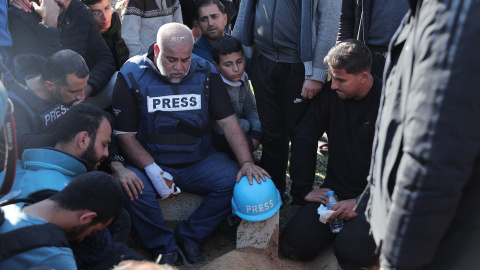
255, 202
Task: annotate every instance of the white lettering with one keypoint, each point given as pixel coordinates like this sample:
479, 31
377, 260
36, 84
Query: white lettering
266, 206
174, 103
57, 112
47, 119
260, 208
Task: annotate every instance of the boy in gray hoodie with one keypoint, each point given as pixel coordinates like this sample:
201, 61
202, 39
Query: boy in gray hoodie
229, 60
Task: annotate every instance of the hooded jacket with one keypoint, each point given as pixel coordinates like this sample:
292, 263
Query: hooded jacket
46, 168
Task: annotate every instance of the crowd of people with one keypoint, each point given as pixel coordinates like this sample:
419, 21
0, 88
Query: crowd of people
117, 105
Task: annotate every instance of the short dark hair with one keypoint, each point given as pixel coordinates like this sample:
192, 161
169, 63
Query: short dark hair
225, 45
95, 191
62, 63
81, 117
201, 3
351, 55
91, 2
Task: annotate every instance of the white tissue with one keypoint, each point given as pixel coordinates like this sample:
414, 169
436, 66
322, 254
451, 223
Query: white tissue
324, 213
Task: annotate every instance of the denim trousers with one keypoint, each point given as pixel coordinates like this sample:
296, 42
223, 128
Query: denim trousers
214, 177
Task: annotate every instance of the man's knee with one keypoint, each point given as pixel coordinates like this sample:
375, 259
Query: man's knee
295, 251
355, 250
292, 245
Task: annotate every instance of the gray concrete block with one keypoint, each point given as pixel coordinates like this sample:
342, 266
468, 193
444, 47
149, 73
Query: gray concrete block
180, 207
258, 234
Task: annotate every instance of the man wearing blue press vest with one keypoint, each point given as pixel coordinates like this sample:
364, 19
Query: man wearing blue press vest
54, 84
163, 102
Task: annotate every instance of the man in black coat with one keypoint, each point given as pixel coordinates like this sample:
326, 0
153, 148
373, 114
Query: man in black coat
53, 25
424, 179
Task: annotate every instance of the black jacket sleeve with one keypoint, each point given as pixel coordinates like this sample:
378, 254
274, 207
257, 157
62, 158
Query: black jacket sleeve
30, 36
346, 28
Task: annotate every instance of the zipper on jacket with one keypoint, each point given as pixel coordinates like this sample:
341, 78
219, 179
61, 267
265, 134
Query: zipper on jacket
271, 30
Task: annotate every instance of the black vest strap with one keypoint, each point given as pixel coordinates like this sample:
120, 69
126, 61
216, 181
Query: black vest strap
206, 83
136, 88
175, 88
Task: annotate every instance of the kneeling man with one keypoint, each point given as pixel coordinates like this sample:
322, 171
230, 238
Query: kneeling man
347, 110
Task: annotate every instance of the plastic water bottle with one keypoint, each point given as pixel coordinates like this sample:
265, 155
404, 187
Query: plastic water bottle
336, 224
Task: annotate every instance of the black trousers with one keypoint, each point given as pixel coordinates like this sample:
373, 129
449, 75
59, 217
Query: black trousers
276, 86
304, 236
221, 144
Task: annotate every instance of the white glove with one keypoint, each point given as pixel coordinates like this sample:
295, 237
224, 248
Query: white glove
158, 176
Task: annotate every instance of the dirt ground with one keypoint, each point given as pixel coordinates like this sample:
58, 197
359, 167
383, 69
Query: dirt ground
220, 253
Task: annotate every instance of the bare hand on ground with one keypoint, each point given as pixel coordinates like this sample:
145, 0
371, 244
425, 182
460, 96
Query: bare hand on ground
344, 210
311, 88
250, 170
318, 195
132, 185
24, 5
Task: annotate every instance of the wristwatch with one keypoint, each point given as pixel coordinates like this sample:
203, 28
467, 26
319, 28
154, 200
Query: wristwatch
117, 158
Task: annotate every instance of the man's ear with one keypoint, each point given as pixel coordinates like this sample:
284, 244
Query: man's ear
364, 76
156, 50
87, 217
50, 86
225, 17
83, 140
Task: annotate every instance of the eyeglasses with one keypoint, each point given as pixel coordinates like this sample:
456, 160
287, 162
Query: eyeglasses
98, 13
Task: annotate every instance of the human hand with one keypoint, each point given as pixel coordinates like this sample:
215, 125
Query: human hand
250, 170
49, 11
344, 210
131, 183
24, 5
162, 181
318, 195
311, 88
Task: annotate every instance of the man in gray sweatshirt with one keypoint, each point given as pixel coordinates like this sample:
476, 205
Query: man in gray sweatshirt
291, 39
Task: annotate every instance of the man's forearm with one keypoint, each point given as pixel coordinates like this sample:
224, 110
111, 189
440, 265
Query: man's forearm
137, 155
236, 139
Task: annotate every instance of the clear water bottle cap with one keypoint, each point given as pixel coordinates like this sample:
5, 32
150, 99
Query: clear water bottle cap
330, 193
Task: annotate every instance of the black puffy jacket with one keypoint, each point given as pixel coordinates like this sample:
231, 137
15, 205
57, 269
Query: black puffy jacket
76, 31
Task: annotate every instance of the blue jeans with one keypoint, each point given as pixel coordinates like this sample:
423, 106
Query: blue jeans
213, 177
